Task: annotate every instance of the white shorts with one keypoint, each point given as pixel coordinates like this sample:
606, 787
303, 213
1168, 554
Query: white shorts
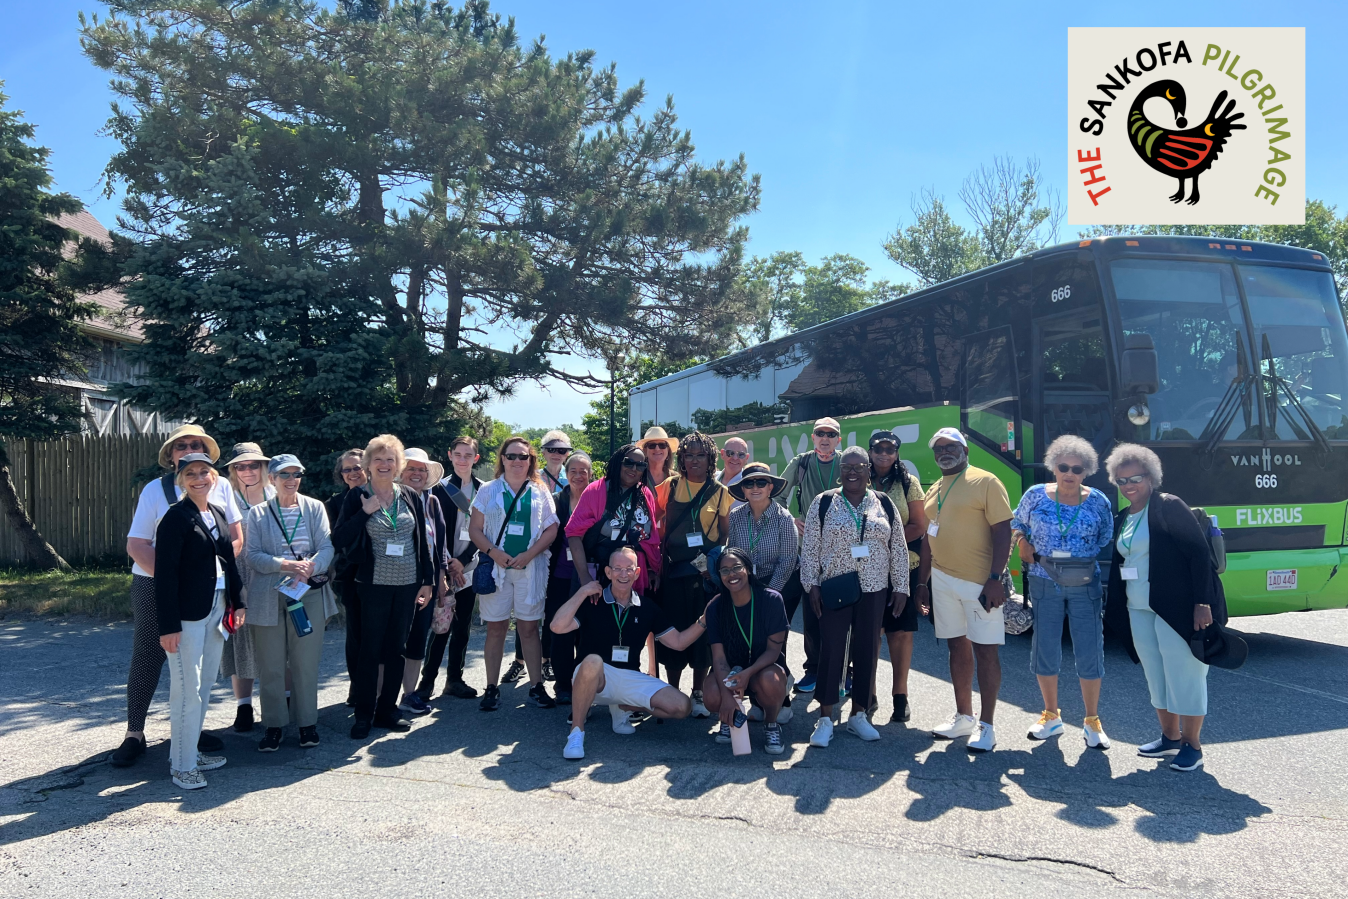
623, 686
512, 595
958, 613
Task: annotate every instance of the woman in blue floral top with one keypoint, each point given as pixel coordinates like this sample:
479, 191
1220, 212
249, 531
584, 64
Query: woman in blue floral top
1059, 529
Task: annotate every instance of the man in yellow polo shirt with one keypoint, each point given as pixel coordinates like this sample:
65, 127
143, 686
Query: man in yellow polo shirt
968, 543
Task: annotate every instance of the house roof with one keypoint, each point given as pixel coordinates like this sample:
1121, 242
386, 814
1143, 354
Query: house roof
112, 320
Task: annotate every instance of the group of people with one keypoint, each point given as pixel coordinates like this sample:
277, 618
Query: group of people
703, 568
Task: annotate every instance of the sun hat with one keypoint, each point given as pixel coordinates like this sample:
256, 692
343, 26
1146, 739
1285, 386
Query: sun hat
194, 457
246, 452
435, 471
285, 460
948, 434
658, 433
166, 451
756, 470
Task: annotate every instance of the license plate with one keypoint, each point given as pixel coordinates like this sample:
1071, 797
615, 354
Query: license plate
1282, 580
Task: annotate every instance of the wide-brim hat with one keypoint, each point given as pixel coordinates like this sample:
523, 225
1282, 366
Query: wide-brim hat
435, 471
246, 452
166, 450
658, 433
756, 470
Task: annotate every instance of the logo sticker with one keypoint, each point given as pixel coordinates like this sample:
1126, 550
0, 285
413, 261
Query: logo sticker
1186, 126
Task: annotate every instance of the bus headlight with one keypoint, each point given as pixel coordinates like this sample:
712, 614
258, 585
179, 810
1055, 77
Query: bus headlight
1139, 414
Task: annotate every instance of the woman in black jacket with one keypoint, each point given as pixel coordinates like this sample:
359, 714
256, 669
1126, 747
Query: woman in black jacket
382, 530
196, 584
350, 476
1163, 591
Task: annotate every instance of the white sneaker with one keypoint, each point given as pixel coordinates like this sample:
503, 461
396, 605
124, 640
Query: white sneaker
699, 710
575, 745
985, 741
823, 732
622, 723
1095, 734
1048, 725
958, 726
209, 762
857, 724
189, 780
785, 715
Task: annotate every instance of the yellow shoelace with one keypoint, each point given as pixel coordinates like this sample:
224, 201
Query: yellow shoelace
1048, 716
1093, 722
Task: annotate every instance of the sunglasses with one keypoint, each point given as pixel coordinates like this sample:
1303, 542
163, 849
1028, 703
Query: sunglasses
347, 471
823, 433
289, 475
658, 446
687, 456
195, 446
247, 466
1135, 479
633, 463
516, 457
734, 454
884, 449
1074, 469
557, 450
755, 483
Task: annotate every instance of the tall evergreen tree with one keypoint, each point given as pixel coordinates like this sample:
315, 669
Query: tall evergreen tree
363, 218
41, 344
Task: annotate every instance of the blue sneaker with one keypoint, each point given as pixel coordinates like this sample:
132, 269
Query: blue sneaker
1159, 748
414, 705
806, 683
1188, 759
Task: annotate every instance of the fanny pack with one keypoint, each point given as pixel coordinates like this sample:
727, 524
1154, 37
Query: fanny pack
1068, 572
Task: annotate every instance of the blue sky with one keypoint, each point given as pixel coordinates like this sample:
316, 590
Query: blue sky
846, 110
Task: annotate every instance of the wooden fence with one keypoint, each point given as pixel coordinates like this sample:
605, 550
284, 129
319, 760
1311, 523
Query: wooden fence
81, 492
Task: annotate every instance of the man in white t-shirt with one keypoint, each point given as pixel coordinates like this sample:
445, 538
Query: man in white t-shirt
147, 656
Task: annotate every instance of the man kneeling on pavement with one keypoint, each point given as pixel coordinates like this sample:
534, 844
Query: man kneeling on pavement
612, 634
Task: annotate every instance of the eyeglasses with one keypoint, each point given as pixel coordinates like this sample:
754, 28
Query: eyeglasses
856, 469
1074, 469
733, 569
1135, 479
946, 449
347, 471
755, 483
516, 457
884, 449
623, 572
289, 475
247, 466
824, 433
194, 446
633, 463
687, 456
557, 450
657, 446
735, 454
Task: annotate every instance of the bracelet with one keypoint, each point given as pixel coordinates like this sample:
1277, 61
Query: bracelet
920, 587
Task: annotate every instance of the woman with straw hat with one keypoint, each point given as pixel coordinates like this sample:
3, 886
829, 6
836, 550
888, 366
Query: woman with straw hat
247, 469
660, 449
147, 656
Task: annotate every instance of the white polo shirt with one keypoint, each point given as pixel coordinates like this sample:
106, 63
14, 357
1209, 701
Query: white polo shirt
153, 504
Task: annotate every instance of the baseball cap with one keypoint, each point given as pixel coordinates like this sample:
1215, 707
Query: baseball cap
948, 434
885, 437
285, 460
828, 423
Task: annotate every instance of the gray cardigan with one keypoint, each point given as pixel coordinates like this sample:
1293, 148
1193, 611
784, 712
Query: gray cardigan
265, 551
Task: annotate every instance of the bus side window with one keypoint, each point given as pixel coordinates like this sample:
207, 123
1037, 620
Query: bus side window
991, 396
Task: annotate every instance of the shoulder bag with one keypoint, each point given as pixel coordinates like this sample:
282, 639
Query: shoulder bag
842, 590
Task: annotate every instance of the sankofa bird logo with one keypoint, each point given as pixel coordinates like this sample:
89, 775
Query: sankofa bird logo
1184, 154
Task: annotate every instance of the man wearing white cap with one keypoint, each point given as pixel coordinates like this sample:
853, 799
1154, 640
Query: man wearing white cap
812, 473
968, 543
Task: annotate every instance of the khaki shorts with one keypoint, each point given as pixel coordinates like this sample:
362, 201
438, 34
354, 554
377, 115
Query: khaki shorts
957, 612
623, 686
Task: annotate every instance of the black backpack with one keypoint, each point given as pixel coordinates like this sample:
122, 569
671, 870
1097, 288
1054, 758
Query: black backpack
826, 501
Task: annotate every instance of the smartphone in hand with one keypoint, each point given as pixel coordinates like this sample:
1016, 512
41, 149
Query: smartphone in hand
985, 602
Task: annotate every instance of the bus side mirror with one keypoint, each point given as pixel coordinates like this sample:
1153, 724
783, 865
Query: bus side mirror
1139, 372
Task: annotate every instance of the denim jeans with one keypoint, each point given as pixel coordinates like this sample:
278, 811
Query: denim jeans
192, 672
1081, 606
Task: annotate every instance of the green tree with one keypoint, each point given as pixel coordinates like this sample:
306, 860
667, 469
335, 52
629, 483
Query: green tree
363, 218
41, 343
934, 247
794, 296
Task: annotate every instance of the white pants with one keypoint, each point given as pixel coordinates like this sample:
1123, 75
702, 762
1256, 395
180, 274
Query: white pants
192, 672
956, 611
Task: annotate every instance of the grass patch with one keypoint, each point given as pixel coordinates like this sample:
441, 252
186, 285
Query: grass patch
94, 592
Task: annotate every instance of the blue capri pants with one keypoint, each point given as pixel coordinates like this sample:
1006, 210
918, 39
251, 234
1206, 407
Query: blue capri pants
1082, 608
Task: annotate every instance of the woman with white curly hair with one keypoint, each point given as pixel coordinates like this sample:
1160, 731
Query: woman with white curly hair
1164, 579
1059, 529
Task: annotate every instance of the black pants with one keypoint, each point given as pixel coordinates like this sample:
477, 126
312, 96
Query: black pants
147, 656
350, 599
863, 618
810, 624
792, 603
559, 648
455, 640
385, 619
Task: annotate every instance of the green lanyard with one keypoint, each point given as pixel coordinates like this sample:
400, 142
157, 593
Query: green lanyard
749, 637
832, 467
621, 622
390, 515
1126, 538
695, 513
1062, 531
858, 517
940, 500
290, 538
756, 533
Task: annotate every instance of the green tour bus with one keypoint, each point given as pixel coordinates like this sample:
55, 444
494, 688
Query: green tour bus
1229, 359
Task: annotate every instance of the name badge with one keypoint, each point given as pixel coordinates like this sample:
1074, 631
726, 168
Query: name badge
932, 529
465, 536
219, 574
568, 555
1128, 574
393, 549
620, 654
700, 563
515, 530
861, 552
289, 587
1061, 554
694, 539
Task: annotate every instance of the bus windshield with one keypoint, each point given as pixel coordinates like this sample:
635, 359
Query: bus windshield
1192, 310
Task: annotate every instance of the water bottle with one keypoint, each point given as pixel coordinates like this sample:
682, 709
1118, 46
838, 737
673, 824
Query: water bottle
739, 728
299, 618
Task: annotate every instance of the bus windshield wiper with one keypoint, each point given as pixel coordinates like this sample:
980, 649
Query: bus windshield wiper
1232, 401
1273, 380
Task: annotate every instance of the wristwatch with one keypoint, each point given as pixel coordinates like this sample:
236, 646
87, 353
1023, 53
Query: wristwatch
995, 576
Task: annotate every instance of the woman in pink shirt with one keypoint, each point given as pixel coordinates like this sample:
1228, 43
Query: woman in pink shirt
613, 512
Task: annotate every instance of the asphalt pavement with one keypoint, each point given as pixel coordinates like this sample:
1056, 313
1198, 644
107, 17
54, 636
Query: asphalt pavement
480, 804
